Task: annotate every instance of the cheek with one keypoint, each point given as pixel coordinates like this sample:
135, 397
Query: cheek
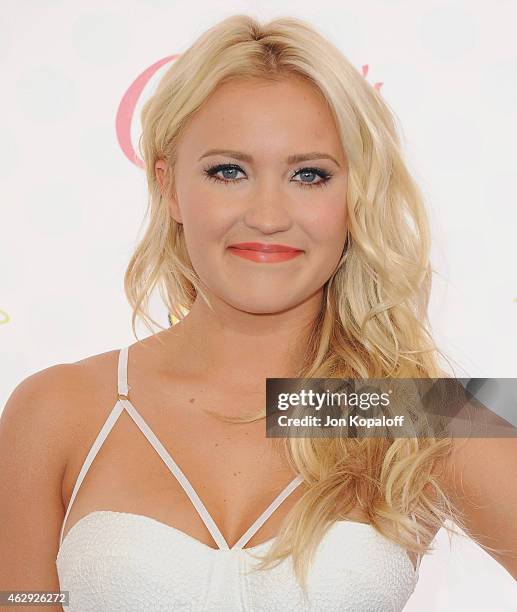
326, 224
204, 213
206, 222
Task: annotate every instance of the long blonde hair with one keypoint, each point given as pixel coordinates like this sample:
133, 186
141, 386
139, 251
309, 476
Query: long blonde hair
373, 322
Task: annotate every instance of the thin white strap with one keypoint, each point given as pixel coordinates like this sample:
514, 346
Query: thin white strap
175, 469
124, 402
101, 436
268, 512
123, 387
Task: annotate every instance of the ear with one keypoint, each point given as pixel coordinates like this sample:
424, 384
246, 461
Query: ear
161, 172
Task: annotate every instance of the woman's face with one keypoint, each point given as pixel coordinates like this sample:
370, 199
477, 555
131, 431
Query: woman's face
262, 162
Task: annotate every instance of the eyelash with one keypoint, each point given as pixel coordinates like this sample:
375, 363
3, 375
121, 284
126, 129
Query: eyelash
211, 171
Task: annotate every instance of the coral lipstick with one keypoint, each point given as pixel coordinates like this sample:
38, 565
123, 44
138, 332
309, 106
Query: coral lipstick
264, 253
264, 257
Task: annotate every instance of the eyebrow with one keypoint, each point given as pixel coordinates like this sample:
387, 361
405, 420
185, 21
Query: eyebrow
292, 159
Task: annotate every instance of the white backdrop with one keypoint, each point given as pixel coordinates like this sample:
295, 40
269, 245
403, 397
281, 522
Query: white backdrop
72, 203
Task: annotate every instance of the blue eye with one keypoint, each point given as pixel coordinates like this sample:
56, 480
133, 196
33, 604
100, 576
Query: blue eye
310, 173
228, 173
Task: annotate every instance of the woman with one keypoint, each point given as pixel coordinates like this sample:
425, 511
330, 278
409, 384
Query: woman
260, 140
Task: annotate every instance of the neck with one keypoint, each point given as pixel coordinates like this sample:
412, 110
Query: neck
230, 344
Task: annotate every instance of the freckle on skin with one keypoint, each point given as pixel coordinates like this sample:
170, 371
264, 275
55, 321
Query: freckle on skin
192, 400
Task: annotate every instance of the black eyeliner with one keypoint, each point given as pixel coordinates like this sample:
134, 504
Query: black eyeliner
211, 171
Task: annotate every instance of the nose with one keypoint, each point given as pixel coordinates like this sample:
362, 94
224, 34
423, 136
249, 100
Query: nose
267, 208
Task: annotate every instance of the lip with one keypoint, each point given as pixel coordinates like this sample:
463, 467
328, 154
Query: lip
265, 248
264, 256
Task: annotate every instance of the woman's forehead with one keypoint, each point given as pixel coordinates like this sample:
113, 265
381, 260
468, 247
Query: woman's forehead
288, 113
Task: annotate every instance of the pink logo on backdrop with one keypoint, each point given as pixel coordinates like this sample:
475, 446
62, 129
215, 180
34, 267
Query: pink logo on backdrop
129, 101
377, 86
127, 107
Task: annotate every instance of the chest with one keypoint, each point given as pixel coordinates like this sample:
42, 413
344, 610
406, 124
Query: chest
233, 468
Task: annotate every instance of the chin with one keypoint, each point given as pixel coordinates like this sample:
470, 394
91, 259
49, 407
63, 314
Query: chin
263, 304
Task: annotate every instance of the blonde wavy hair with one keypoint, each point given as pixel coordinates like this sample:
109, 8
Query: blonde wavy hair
373, 322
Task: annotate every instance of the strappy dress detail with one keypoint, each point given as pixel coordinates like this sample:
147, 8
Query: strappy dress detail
123, 403
124, 562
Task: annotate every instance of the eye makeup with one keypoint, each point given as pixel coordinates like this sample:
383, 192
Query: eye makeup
211, 173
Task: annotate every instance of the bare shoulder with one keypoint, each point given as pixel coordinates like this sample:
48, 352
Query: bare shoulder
476, 463
479, 477
39, 404
38, 427
53, 401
